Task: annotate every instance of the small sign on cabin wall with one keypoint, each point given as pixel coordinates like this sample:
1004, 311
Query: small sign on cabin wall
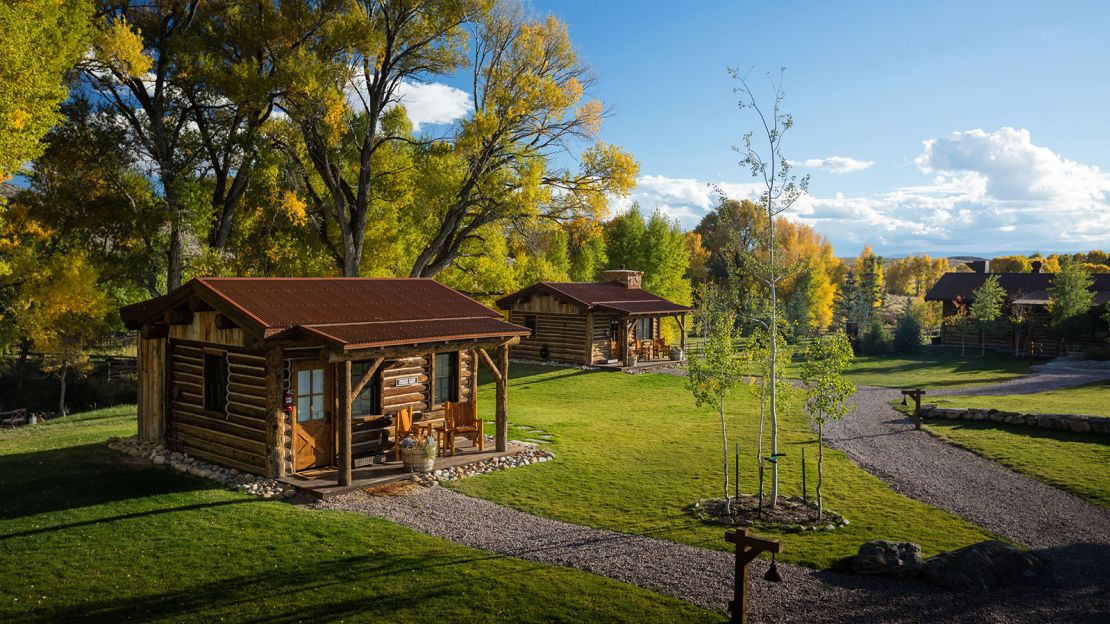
407, 381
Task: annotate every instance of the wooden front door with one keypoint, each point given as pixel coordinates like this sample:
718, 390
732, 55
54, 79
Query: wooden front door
312, 430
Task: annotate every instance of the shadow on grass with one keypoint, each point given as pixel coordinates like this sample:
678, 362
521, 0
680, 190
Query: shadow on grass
1059, 435
79, 476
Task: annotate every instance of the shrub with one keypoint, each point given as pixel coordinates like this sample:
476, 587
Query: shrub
907, 334
876, 340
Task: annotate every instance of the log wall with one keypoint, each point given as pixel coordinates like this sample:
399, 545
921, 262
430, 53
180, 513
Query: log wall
601, 346
564, 335
152, 389
236, 438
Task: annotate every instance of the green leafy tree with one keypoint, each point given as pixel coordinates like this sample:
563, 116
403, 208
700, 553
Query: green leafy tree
961, 322
712, 376
827, 391
781, 190
986, 307
625, 238
41, 41
1070, 299
907, 332
756, 354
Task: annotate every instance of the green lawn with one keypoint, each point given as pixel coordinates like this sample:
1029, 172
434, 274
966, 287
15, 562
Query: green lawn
632, 451
936, 367
1090, 400
88, 535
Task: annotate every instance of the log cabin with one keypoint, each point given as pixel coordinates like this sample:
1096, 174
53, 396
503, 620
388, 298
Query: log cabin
275, 376
594, 323
1027, 293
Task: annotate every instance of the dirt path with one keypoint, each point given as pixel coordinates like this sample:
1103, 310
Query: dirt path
702, 576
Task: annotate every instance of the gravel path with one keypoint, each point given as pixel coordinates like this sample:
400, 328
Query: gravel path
1038, 516
704, 577
1045, 379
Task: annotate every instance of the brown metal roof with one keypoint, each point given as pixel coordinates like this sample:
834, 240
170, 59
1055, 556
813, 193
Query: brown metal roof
339, 311
962, 285
607, 295
359, 335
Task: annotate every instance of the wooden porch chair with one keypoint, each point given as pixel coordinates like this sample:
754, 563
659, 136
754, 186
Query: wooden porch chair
461, 419
404, 427
660, 346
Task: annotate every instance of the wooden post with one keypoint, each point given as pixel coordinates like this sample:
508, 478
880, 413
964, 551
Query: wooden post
915, 394
275, 425
344, 422
682, 333
747, 549
502, 397
589, 339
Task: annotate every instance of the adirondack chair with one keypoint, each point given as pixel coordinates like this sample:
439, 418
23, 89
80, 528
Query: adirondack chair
461, 419
660, 348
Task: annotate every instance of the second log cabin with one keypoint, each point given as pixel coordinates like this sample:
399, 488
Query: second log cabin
612, 321
275, 376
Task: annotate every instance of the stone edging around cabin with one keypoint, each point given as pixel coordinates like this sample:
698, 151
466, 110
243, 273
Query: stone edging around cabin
1065, 422
530, 455
236, 479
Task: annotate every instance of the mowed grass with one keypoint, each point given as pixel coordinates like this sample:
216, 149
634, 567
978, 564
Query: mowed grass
632, 452
1077, 462
936, 367
1090, 400
88, 535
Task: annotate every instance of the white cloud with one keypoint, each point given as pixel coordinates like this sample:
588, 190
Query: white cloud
835, 164
434, 103
425, 102
990, 191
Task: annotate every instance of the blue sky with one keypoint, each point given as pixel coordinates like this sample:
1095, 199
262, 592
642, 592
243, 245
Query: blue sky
1016, 96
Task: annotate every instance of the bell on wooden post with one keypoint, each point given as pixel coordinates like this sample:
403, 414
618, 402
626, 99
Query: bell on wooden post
773, 573
903, 399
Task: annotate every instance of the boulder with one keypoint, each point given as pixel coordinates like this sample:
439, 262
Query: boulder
1078, 424
986, 566
901, 559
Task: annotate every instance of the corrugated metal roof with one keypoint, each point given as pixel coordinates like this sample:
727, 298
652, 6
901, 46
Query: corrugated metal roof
340, 311
357, 335
610, 295
952, 285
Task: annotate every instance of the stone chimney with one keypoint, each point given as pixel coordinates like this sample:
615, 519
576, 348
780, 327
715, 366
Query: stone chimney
979, 266
1036, 264
628, 279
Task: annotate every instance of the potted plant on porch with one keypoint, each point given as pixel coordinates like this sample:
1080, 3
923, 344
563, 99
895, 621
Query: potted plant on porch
419, 453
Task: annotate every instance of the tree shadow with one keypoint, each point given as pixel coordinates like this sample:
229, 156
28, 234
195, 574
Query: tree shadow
80, 476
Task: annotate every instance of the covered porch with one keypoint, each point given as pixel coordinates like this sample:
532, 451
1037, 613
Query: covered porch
350, 386
644, 344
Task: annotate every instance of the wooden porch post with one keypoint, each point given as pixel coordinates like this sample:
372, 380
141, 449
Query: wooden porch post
589, 339
624, 340
502, 397
275, 399
344, 422
682, 333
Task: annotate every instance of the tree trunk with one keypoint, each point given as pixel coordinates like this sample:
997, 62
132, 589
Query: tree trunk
982, 344
774, 371
820, 469
62, 392
1017, 341
963, 344
724, 444
762, 409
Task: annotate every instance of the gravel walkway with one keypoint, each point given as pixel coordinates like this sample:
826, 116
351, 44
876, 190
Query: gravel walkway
704, 577
1045, 379
1038, 516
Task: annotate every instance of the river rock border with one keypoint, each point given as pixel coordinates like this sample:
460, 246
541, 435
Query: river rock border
530, 455
1064, 422
159, 455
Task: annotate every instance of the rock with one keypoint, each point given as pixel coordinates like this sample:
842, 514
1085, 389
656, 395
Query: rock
1079, 426
900, 559
986, 566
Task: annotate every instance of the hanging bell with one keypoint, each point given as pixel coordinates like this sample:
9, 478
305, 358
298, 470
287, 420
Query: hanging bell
773, 573
903, 399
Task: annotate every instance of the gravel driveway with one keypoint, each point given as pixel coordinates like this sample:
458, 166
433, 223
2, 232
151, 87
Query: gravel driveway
704, 577
1038, 516
1045, 379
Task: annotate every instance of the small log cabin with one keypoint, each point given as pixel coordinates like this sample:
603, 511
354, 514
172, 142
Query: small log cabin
1030, 291
593, 323
275, 376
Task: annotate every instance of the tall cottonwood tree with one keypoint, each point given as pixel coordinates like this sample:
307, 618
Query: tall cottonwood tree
780, 190
353, 75
528, 90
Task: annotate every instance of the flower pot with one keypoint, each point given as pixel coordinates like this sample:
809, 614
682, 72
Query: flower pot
676, 354
418, 459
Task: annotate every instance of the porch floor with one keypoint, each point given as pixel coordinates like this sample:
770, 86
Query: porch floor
642, 364
323, 482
